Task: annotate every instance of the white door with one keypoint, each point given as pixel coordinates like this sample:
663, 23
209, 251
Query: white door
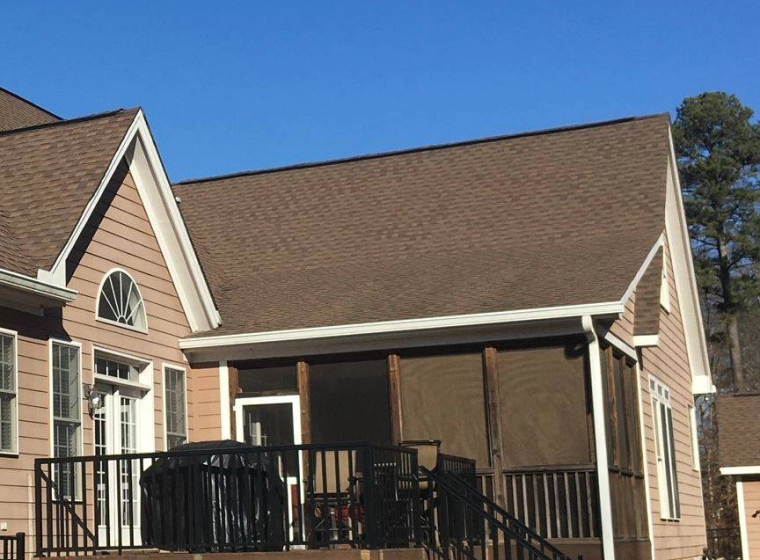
117, 430
270, 421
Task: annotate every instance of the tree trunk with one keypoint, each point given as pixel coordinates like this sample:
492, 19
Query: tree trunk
735, 350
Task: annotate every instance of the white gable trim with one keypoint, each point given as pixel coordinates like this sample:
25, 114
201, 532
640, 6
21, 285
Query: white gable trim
139, 150
686, 280
643, 268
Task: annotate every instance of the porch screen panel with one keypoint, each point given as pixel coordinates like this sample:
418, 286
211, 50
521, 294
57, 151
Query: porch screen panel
262, 379
350, 401
443, 397
544, 410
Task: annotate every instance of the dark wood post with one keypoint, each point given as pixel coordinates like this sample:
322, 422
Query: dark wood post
493, 410
304, 394
394, 384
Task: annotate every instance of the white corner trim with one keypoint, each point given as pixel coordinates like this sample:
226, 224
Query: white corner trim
224, 399
643, 268
749, 470
685, 279
645, 457
139, 150
600, 439
37, 287
405, 325
646, 340
742, 519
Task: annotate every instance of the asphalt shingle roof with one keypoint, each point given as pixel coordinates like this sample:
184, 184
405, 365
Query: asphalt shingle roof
17, 112
739, 430
537, 220
48, 173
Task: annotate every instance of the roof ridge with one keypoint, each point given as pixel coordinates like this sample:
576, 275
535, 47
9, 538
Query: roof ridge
32, 103
63, 122
431, 147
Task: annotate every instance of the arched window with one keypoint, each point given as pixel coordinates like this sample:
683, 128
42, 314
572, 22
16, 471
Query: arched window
120, 301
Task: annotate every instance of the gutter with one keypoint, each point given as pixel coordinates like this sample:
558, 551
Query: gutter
36, 287
406, 325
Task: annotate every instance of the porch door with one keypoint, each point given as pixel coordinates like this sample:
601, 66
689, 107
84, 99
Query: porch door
117, 429
270, 421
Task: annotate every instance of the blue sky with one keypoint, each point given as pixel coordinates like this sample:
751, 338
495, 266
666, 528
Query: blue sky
230, 86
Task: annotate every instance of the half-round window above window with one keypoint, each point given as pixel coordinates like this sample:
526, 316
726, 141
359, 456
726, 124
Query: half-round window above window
120, 301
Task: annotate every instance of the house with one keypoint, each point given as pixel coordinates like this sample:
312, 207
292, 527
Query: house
739, 457
525, 305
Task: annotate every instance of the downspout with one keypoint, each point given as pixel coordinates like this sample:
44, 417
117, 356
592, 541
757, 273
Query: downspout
600, 438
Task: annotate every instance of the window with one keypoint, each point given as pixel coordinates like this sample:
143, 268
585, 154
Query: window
67, 418
120, 301
8, 393
118, 370
662, 413
176, 422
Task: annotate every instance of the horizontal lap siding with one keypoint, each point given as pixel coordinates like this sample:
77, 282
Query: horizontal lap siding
669, 363
751, 506
124, 239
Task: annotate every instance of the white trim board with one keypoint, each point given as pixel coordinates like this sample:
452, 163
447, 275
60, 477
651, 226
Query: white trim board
740, 505
139, 150
406, 325
738, 471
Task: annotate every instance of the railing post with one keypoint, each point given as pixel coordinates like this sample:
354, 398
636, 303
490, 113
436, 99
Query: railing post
370, 505
20, 546
416, 497
38, 507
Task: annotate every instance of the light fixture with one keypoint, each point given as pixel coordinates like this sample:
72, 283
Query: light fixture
94, 399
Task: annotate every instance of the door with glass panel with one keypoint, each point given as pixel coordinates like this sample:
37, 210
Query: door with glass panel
273, 421
117, 428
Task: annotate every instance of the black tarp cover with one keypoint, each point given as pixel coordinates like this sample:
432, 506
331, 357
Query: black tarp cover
230, 498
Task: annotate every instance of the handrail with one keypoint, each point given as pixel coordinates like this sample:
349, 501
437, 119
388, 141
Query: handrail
466, 520
531, 534
13, 546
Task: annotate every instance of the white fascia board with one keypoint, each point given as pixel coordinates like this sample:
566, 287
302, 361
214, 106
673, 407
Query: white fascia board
735, 471
686, 280
406, 325
39, 288
621, 345
139, 149
643, 268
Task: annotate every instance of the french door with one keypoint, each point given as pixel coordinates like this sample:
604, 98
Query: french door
117, 430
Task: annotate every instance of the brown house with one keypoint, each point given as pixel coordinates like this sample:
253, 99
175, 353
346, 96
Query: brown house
527, 302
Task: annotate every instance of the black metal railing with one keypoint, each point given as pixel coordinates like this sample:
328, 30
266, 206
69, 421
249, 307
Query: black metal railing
13, 546
724, 543
240, 498
462, 467
466, 525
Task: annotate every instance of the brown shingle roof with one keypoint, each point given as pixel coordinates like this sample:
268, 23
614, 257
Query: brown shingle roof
739, 430
48, 173
647, 317
536, 220
17, 112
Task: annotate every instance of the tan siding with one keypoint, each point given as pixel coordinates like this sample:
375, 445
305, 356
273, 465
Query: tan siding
623, 327
206, 422
669, 363
751, 506
124, 239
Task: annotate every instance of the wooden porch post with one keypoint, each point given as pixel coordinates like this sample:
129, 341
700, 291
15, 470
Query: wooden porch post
304, 394
600, 438
493, 412
394, 387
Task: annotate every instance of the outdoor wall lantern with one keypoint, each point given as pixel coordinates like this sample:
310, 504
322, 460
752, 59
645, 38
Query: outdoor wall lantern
94, 399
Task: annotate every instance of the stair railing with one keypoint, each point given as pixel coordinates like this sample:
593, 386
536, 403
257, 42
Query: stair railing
462, 524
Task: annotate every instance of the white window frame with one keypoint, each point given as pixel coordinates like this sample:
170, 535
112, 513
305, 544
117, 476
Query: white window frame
167, 366
14, 451
139, 293
80, 436
665, 453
